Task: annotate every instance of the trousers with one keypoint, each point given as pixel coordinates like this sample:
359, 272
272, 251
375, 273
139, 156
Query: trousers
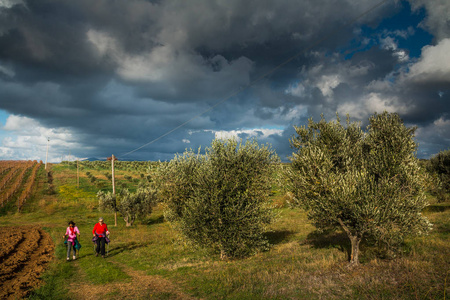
69, 248
100, 245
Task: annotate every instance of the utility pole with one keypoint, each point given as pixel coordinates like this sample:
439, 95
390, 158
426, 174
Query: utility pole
114, 187
78, 176
113, 181
46, 155
113, 158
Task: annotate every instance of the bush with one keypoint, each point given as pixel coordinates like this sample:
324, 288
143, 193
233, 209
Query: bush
219, 200
439, 167
130, 205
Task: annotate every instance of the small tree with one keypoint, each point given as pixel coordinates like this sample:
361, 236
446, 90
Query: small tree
439, 167
107, 202
220, 200
129, 205
367, 183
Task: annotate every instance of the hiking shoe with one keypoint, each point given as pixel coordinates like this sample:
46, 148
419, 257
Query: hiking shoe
74, 257
68, 259
96, 254
103, 256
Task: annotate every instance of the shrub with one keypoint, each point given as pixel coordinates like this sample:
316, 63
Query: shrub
130, 205
439, 167
219, 200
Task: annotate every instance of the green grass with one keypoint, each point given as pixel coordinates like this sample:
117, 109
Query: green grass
101, 271
57, 276
301, 264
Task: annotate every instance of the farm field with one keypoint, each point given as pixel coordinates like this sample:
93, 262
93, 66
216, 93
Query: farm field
24, 255
148, 260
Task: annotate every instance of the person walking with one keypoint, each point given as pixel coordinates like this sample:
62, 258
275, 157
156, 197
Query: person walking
100, 231
72, 241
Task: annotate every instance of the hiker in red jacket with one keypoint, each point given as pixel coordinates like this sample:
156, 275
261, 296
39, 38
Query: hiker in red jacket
100, 230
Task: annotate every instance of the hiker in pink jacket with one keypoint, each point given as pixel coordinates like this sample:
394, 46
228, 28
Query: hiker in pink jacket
71, 233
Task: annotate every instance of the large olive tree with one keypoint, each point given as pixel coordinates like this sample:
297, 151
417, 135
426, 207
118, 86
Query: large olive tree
366, 182
219, 200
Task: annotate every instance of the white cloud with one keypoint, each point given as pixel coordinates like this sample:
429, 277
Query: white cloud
170, 65
103, 42
434, 63
255, 132
371, 103
24, 125
328, 83
438, 16
442, 123
10, 3
297, 90
28, 140
390, 43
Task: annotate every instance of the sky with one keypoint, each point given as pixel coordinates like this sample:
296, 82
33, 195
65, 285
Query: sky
146, 79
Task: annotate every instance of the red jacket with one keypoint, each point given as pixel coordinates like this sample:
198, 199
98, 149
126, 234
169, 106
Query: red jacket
100, 230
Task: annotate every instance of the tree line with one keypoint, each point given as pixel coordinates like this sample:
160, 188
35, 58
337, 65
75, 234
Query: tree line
368, 183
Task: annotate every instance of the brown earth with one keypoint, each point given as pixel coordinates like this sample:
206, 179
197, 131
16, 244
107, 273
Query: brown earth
25, 252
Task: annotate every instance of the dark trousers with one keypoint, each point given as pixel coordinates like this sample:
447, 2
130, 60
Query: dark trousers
101, 245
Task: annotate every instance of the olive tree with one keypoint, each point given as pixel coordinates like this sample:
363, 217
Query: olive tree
219, 200
129, 205
439, 167
366, 182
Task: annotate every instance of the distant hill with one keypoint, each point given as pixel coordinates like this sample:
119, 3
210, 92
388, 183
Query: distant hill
92, 159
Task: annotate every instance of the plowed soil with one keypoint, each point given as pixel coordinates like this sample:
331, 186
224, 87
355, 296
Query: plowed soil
24, 254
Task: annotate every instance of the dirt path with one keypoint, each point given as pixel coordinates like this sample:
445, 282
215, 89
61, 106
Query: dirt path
25, 252
141, 286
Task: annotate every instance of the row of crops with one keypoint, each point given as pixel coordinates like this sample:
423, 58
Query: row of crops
17, 181
130, 166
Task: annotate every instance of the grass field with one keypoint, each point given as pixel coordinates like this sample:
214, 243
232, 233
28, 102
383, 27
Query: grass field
149, 261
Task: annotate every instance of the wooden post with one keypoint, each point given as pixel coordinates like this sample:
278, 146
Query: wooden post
78, 176
113, 186
46, 155
113, 158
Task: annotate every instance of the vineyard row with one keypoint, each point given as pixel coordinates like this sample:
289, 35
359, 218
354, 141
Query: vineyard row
14, 179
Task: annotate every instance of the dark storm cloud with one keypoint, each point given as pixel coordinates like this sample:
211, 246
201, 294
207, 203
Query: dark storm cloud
118, 74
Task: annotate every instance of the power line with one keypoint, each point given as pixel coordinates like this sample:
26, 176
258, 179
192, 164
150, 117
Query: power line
312, 45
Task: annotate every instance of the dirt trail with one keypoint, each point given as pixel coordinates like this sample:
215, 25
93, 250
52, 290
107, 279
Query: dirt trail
24, 254
141, 286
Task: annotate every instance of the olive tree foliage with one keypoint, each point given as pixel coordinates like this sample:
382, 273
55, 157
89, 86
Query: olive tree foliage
130, 205
439, 167
368, 183
219, 200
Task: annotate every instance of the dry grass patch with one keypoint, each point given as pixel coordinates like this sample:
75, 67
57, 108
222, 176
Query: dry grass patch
141, 286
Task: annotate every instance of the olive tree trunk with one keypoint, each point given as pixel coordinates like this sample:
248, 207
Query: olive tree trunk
355, 240
128, 221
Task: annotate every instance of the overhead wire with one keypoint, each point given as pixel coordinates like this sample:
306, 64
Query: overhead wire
261, 77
